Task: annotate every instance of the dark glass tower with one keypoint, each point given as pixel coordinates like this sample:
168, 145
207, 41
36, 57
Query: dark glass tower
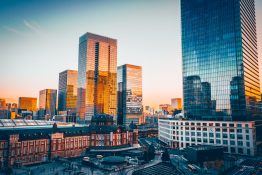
220, 60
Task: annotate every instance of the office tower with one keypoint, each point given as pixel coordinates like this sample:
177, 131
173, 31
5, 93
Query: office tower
27, 103
130, 101
220, 60
47, 101
176, 103
67, 93
97, 79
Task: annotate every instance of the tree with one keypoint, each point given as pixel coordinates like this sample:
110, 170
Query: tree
165, 156
151, 152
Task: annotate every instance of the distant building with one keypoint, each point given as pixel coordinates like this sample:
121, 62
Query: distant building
236, 137
176, 103
165, 108
47, 101
130, 98
97, 76
67, 91
27, 103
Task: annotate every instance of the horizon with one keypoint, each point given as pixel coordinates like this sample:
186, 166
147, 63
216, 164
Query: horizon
41, 40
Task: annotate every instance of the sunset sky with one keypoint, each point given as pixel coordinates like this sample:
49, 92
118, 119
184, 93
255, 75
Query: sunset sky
39, 39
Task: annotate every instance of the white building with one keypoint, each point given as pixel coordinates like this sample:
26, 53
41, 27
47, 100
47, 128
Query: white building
235, 137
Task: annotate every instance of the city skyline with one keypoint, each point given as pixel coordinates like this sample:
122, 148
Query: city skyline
159, 68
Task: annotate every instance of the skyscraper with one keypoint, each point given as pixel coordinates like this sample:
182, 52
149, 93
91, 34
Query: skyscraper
47, 101
220, 60
97, 76
130, 101
67, 91
27, 103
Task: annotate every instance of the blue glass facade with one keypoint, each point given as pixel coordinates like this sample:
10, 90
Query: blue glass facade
220, 61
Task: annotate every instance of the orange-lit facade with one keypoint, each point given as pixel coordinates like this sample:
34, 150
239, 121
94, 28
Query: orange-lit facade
27, 103
176, 103
97, 76
67, 93
47, 101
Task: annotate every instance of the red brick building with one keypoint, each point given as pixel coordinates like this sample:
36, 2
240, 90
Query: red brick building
24, 144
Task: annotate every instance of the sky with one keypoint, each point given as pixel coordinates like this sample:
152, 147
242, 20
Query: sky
39, 39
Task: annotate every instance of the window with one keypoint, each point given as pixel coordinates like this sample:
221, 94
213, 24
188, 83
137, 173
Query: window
240, 150
187, 138
247, 137
232, 142
247, 131
205, 140
193, 134
239, 137
239, 143
204, 134
232, 136
198, 133
239, 130
218, 141
231, 125
211, 141
218, 135
239, 125
217, 124
248, 144
224, 124
225, 142
233, 150
211, 134
224, 135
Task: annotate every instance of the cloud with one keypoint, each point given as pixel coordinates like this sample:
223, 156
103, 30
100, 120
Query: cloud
33, 26
15, 31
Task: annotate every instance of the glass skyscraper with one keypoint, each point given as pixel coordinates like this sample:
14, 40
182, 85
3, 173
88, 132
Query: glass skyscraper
130, 101
220, 59
67, 93
47, 101
97, 76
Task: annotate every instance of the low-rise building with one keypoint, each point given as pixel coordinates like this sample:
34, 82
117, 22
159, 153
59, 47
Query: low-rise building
26, 142
236, 137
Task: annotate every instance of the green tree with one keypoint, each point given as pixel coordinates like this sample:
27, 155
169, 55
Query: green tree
165, 156
151, 152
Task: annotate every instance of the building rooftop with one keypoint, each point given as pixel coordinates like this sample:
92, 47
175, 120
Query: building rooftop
158, 169
204, 147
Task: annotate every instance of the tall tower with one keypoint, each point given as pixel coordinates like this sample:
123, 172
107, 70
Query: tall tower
47, 101
130, 100
67, 91
97, 76
220, 60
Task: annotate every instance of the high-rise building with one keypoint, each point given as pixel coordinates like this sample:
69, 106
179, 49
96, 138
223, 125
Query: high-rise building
47, 101
67, 91
27, 103
176, 103
130, 101
97, 76
220, 60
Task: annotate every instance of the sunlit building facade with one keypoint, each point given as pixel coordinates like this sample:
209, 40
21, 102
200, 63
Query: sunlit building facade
130, 99
220, 60
47, 101
97, 76
27, 103
176, 103
67, 91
